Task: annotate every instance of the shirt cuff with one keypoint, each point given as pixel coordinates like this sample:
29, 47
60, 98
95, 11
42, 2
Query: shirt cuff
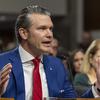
95, 94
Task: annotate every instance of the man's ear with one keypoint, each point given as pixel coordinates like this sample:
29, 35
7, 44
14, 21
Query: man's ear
23, 33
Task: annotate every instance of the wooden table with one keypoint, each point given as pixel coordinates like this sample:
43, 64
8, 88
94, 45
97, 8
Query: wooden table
71, 99
88, 99
6, 98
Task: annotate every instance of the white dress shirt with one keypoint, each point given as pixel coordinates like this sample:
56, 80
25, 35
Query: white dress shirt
28, 67
94, 92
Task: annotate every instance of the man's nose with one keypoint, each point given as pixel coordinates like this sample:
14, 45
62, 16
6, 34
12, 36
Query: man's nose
49, 33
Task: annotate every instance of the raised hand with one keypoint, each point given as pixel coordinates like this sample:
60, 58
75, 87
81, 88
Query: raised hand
97, 68
4, 77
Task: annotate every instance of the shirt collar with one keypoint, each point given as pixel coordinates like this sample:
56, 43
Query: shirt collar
25, 56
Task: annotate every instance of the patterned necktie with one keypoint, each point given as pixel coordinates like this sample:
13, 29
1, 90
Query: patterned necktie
37, 86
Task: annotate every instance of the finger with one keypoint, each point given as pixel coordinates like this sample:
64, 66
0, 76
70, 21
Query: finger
5, 68
2, 82
6, 73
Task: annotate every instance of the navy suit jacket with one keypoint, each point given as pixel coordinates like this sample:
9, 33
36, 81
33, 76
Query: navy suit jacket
57, 78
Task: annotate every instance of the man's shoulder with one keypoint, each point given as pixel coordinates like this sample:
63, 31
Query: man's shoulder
52, 58
53, 61
7, 53
7, 56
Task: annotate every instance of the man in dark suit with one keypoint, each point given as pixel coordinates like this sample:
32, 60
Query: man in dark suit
34, 32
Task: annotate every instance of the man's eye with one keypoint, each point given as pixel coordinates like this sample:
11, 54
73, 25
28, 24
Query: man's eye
42, 28
51, 29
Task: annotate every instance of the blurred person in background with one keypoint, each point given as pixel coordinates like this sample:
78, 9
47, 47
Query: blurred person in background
61, 53
8, 43
57, 51
54, 47
87, 38
88, 77
76, 59
1, 45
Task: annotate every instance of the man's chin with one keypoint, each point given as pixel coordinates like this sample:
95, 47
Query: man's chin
46, 50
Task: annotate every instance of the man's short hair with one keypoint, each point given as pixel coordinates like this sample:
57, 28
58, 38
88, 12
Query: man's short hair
23, 20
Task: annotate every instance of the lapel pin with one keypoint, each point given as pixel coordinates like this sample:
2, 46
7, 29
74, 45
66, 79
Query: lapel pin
61, 91
50, 68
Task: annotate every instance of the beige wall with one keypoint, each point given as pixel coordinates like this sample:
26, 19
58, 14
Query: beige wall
55, 6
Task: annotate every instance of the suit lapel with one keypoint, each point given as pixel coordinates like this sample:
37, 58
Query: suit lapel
51, 77
18, 74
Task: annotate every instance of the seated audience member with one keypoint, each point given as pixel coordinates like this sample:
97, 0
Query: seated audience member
25, 72
54, 47
76, 59
59, 52
86, 40
88, 77
63, 54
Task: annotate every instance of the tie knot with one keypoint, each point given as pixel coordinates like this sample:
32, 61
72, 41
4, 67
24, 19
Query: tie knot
36, 61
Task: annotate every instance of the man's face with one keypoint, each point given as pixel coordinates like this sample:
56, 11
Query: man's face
39, 35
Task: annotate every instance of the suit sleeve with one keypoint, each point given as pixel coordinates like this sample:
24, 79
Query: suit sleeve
68, 87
